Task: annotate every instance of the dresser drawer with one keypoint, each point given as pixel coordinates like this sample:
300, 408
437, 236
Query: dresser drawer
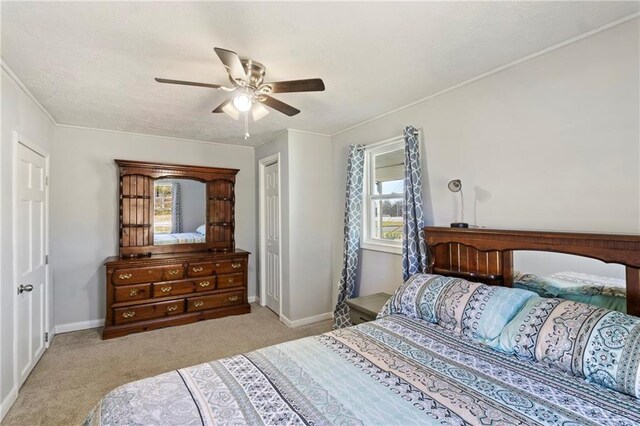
147, 274
173, 288
132, 292
215, 301
229, 266
230, 280
200, 269
136, 275
205, 284
150, 311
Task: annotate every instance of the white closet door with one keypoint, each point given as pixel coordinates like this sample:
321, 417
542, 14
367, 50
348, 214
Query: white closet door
31, 265
272, 236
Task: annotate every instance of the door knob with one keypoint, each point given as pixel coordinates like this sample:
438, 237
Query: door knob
24, 288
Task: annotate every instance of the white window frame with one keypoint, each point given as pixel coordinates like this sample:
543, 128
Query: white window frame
368, 242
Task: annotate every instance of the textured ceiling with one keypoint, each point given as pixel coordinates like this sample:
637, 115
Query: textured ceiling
92, 64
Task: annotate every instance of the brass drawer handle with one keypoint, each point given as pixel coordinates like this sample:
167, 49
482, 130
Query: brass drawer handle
133, 293
128, 314
197, 269
166, 289
204, 284
198, 303
124, 276
172, 308
217, 265
233, 298
230, 281
174, 272
236, 265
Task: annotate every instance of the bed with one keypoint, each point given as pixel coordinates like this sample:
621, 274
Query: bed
178, 238
444, 350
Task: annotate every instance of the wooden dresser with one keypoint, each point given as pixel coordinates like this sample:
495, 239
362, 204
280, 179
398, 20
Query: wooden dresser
152, 284
164, 290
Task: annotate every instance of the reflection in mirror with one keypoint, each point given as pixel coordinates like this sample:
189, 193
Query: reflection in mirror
570, 277
179, 211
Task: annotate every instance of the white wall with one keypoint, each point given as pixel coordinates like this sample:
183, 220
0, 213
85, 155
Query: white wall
551, 143
19, 113
310, 224
84, 209
305, 168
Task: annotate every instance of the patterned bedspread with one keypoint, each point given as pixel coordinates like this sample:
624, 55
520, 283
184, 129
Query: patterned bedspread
181, 238
393, 371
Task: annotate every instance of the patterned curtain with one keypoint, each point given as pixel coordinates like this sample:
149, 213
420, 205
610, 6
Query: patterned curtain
176, 208
414, 250
352, 225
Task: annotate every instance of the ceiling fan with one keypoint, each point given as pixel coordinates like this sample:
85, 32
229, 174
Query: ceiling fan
249, 90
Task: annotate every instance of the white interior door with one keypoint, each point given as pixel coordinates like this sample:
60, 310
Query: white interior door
31, 265
271, 262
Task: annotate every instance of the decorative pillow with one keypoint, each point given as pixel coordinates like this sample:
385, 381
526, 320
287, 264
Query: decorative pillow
202, 229
600, 345
531, 282
473, 309
561, 284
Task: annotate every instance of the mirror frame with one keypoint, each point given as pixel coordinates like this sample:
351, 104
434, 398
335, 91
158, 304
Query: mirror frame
136, 179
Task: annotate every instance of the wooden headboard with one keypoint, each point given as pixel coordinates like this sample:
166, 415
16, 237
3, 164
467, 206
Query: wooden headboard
486, 255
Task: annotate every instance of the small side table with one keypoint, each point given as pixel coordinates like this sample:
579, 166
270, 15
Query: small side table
366, 308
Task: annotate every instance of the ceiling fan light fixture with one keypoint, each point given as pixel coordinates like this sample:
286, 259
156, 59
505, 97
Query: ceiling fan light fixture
258, 111
243, 102
231, 111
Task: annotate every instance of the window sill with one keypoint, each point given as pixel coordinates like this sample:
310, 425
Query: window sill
386, 248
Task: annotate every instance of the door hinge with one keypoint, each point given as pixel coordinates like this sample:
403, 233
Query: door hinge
46, 337
46, 259
46, 181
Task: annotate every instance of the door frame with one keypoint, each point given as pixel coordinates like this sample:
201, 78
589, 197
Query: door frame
262, 165
19, 139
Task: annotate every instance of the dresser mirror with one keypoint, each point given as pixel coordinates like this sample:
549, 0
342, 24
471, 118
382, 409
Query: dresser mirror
179, 211
173, 208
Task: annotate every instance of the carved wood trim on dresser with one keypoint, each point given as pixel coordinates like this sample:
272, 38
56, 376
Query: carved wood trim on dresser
486, 255
136, 206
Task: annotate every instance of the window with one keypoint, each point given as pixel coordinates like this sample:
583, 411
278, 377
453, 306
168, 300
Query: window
384, 197
163, 201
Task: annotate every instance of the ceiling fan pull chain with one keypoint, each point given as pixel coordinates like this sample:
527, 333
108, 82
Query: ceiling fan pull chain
246, 125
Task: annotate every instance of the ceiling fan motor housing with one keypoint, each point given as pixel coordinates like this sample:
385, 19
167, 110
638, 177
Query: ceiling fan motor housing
255, 72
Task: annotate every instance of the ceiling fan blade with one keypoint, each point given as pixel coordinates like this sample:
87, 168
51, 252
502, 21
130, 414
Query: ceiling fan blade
278, 105
232, 63
188, 83
308, 85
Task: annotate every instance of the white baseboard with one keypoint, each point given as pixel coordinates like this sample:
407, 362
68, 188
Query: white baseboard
8, 402
253, 299
75, 326
306, 321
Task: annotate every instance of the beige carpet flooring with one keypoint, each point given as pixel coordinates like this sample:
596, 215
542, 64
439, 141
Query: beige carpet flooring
79, 368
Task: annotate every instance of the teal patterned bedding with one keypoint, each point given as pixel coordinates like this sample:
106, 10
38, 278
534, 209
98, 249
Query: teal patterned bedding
397, 370
606, 292
179, 238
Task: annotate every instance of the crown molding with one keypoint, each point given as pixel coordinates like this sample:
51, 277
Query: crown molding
148, 135
27, 92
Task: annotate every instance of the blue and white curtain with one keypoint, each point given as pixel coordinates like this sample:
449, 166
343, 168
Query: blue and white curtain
176, 208
352, 226
414, 249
